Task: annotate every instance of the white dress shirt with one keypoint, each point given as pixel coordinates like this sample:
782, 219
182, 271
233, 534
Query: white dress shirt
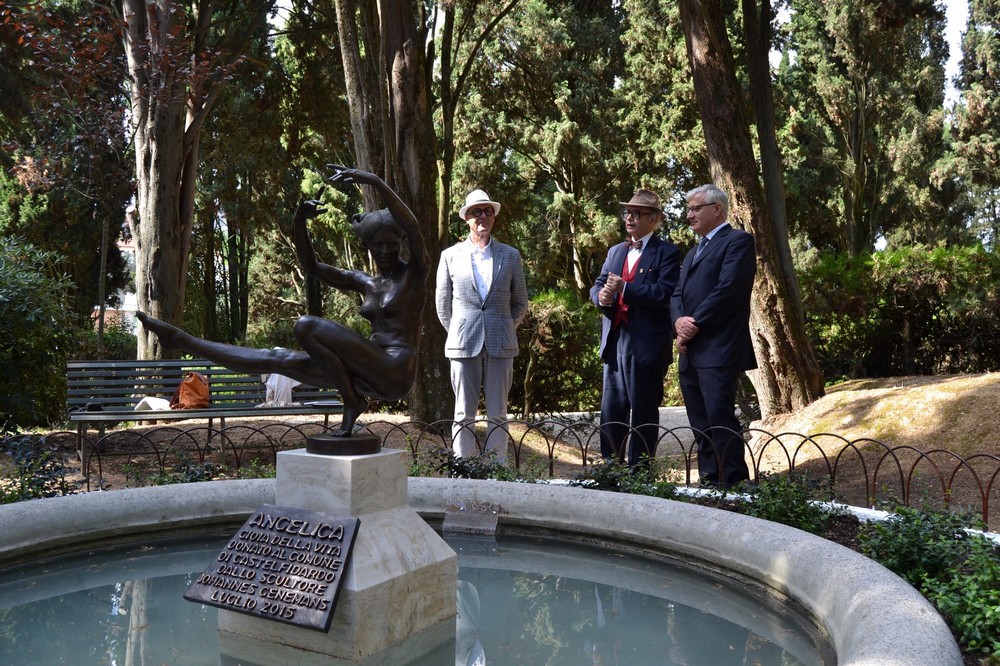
482, 267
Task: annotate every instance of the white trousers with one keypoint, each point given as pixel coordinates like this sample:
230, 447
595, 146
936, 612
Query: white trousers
494, 376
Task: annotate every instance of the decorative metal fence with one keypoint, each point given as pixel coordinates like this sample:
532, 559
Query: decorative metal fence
861, 472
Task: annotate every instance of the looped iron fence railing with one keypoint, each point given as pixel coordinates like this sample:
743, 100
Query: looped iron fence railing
860, 472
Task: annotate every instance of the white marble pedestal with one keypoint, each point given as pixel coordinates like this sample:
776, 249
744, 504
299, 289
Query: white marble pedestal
402, 576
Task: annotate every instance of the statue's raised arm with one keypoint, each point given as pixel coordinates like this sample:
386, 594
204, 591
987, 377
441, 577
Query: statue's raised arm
399, 210
304, 252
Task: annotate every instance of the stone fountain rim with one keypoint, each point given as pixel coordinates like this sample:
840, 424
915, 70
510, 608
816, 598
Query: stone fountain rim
871, 615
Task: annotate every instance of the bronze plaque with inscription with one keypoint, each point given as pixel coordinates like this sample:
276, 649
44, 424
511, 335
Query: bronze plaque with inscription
284, 564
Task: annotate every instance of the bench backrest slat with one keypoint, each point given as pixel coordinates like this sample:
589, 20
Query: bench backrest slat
121, 384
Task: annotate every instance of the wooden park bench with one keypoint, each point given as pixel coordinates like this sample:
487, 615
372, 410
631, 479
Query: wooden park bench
100, 393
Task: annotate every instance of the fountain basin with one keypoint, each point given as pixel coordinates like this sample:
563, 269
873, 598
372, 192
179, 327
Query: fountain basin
870, 615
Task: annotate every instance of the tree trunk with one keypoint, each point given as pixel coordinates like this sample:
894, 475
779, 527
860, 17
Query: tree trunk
388, 97
174, 82
757, 30
582, 279
415, 171
449, 104
243, 282
102, 279
787, 378
452, 87
159, 112
210, 322
162, 239
366, 97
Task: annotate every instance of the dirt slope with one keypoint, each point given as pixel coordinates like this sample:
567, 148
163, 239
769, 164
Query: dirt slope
960, 413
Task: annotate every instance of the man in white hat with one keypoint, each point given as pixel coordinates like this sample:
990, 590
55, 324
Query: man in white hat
481, 298
633, 293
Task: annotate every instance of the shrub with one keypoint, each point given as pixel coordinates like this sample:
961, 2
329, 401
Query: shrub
912, 310
257, 469
39, 470
34, 336
788, 500
918, 544
119, 342
558, 339
186, 470
959, 572
970, 598
444, 461
618, 477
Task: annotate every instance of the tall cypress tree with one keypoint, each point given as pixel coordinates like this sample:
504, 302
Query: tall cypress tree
978, 116
863, 88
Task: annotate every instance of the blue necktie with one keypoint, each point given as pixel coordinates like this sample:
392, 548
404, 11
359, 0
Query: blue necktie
701, 247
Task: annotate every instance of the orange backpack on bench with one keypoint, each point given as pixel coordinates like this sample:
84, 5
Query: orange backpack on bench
192, 393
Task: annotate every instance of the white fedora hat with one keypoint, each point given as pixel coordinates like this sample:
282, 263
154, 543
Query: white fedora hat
478, 198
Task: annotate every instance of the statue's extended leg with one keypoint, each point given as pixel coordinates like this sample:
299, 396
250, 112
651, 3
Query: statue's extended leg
287, 362
169, 336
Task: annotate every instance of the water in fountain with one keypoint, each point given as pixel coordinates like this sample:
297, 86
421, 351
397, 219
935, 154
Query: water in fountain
522, 601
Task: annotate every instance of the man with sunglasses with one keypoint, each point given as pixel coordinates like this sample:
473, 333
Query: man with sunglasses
481, 298
711, 313
633, 294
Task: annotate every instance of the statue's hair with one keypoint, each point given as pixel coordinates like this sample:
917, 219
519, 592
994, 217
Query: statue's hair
366, 225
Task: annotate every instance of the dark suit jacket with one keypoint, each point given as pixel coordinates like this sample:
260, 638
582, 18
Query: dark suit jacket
715, 291
648, 298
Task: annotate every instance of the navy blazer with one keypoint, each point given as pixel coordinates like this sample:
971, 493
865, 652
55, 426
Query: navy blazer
715, 289
648, 298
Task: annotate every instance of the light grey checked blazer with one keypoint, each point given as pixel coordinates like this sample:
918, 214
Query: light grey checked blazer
471, 322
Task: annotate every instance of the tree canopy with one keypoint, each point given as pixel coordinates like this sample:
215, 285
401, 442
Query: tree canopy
213, 119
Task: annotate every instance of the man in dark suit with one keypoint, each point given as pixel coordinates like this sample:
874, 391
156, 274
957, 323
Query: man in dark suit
710, 310
633, 293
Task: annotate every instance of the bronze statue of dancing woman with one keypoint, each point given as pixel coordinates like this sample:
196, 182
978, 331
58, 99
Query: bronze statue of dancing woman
333, 355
